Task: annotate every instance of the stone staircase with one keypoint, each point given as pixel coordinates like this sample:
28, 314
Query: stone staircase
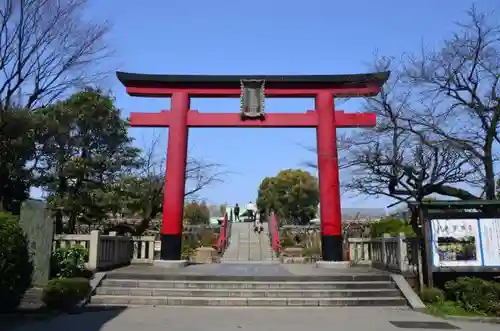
245, 245
191, 290
247, 276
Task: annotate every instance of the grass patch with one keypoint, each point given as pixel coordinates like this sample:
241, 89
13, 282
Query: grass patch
450, 308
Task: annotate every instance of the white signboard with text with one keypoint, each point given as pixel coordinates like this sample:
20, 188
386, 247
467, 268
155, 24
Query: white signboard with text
490, 239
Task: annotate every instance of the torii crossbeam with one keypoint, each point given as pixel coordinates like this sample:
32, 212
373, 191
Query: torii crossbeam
324, 118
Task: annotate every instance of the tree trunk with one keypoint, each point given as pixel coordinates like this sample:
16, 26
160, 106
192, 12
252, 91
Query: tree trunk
71, 223
142, 227
415, 222
59, 222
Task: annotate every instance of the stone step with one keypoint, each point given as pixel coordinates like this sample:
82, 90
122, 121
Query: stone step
247, 293
237, 261
251, 278
184, 284
32, 299
225, 301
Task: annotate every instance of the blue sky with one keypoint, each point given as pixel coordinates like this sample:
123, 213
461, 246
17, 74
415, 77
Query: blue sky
262, 37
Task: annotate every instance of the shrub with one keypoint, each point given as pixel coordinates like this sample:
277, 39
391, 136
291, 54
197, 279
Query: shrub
16, 268
64, 293
286, 240
196, 213
189, 245
432, 295
313, 251
392, 226
312, 245
207, 238
475, 294
69, 262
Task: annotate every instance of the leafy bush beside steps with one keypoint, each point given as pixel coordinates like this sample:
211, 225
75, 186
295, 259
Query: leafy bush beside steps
432, 295
475, 294
70, 262
16, 268
465, 296
64, 294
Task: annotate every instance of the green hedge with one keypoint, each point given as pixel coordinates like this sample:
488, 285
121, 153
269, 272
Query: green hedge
392, 226
70, 262
16, 268
64, 293
432, 295
475, 294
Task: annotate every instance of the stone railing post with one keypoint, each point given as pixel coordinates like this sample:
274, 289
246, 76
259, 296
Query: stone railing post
143, 249
385, 259
94, 243
359, 250
151, 249
366, 249
353, 252
402, 253
157, 248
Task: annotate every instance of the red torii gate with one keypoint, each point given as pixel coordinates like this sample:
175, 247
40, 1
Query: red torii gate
324, 118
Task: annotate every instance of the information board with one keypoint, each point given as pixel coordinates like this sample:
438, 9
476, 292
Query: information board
456, 243
490, 239
465, 242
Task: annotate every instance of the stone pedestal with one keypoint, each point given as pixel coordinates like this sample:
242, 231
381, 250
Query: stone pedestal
292, 252
205, 255
38, 226
292, 255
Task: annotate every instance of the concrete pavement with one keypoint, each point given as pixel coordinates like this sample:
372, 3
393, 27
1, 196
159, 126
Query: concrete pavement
250, 319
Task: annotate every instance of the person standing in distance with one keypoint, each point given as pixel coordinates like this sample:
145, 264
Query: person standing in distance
236, 211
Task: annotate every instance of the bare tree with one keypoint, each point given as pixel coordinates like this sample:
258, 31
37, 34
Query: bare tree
143, 190
460, 84
437, 122
46, 48
399, 158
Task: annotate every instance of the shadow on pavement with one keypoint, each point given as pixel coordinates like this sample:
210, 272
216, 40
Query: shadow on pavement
88, 319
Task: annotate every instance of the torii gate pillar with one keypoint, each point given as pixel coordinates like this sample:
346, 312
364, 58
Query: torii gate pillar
329, 183
323, 88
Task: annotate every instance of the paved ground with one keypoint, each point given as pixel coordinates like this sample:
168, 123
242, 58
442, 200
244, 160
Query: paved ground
250, 319
245, 245
246, 269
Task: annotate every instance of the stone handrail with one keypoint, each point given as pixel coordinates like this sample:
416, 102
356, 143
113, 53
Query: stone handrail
273, 225
112, 250
393, 253
222, 244
399, 254
70, 240
105, 251
144, 249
